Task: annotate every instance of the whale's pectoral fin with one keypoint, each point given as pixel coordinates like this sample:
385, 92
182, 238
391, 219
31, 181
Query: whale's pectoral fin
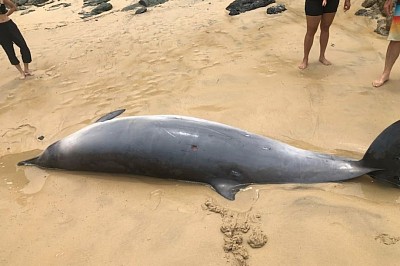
227, 187
110, 116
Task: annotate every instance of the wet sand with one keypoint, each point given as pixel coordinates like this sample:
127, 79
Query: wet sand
191, 58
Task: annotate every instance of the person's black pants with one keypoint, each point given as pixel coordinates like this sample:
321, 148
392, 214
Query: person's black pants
10, 34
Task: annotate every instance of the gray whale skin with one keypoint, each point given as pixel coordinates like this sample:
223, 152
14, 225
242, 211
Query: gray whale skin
196, 150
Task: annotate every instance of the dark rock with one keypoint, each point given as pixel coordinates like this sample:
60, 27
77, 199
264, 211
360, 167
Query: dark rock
132, 7
377, 5
39, 3
85, 15
276, 9
41, 138
366, 13
93, 2
374, 9
141, 10
361, 12
381, 27
149, 3
241, 6
21, 2
103, 7
368, 3
57, 6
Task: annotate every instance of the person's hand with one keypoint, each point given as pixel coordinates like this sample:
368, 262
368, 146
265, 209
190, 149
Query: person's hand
388, 7
324, 2
347, 5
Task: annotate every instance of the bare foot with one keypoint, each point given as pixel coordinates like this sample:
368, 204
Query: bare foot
325, 62
379, 82
382, 80
28, 73
22, 76
303, 65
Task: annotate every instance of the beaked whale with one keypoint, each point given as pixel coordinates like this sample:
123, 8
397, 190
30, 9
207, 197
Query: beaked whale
227, 158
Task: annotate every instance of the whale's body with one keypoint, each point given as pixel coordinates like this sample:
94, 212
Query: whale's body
190, 149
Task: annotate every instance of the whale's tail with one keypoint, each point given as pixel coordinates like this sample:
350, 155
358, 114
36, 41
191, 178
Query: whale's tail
384, 154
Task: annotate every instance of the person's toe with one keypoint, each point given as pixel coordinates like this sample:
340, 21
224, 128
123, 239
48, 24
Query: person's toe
379, 82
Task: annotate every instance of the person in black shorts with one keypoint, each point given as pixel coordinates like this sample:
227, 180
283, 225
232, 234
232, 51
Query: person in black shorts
319, 13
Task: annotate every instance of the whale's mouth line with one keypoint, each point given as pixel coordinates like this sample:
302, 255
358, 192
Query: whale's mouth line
29, 162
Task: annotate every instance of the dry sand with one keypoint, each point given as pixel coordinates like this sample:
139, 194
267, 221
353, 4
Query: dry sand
191, 58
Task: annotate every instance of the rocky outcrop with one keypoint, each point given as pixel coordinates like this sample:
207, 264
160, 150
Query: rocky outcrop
38, 2
138, 8
94, 2
276, 9
374, 9
100, 6
241, 6
141, 6
89, 7
149, 3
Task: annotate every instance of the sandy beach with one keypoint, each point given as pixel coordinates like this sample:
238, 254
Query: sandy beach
191, 58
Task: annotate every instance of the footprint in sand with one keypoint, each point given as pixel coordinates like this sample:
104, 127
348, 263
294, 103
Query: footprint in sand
47, 74
387, 239
155, 199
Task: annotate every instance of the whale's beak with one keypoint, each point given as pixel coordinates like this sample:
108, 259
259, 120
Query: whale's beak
32, 161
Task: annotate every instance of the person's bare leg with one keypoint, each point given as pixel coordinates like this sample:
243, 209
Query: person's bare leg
326, 22
312, 26
392, 54
22, 73
27, 70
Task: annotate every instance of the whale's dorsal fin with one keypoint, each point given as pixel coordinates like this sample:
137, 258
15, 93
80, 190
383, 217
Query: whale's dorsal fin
110, 116
227, 187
